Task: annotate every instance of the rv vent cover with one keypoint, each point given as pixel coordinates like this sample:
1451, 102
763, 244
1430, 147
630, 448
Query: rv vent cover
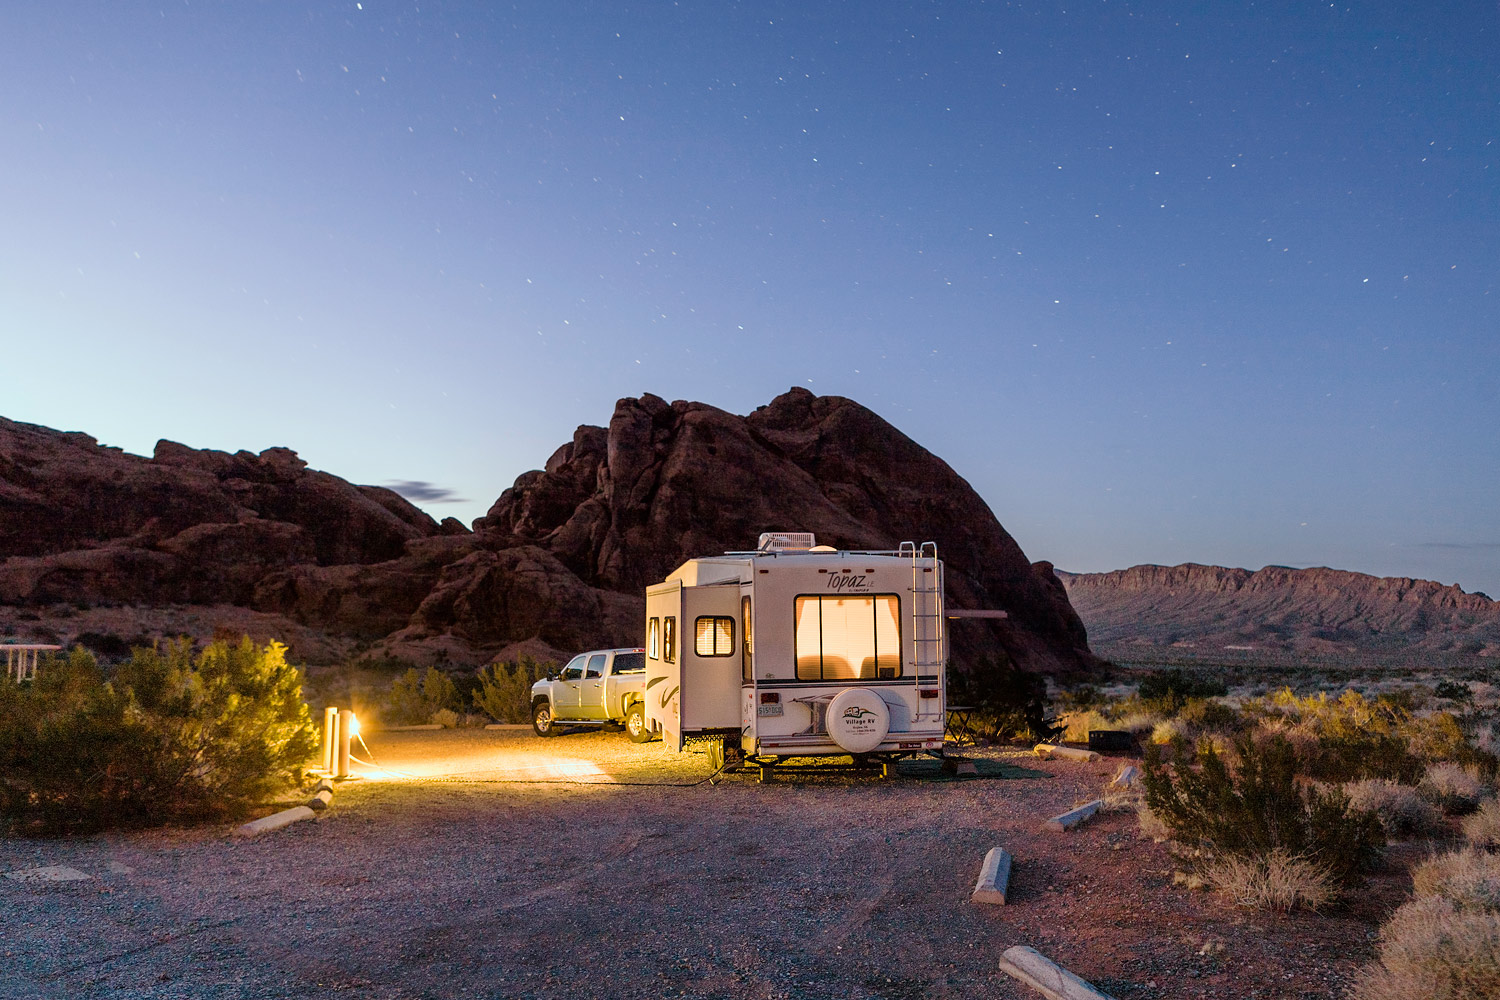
785, 541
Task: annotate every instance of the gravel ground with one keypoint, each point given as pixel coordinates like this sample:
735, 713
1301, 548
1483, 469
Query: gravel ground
495, 864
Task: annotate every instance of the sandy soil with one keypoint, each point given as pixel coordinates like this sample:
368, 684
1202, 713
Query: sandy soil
496, 864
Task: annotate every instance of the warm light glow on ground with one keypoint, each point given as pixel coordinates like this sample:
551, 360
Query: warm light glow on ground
470, 756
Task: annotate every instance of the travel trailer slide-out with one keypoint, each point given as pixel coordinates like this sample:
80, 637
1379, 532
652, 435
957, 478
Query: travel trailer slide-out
799, 649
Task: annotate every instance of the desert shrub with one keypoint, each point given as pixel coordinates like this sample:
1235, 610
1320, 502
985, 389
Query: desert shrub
416, 697
1483, 828
446, 717
1082, 696
1431, 949
1008, 702
1200, 713
1468, 878
1439, 736
1452, 788
1402, 811
1346, 738
1259, 807
1277, 881
1166, 732
504, 692
1453, 691
1167, 691
170, 737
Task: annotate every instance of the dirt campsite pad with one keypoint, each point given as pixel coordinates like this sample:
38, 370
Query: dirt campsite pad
496, 864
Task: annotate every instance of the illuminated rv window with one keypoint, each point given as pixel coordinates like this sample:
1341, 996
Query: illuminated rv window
848, 638
669, 639
748, 650
713, 635
653, 638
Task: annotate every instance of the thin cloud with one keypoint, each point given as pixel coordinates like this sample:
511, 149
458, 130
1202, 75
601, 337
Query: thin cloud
418, 491
1458, 545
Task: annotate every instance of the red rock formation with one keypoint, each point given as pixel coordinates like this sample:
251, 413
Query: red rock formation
560, 561
623, 507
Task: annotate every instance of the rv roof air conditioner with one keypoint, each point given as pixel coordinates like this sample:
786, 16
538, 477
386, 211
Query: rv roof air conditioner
785, 541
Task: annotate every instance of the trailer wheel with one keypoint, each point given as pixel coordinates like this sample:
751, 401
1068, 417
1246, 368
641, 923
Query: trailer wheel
635, 724
541, 719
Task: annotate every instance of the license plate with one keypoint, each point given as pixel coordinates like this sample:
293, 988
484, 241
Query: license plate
766, 710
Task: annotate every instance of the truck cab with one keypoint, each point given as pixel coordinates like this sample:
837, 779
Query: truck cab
595, 688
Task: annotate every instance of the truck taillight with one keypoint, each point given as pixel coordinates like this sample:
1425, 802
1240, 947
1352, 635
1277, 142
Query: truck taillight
929, 692
770, 698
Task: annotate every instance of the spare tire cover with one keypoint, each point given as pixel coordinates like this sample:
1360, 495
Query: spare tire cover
858, 720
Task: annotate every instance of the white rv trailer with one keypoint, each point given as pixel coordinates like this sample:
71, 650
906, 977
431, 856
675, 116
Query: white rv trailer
799, 649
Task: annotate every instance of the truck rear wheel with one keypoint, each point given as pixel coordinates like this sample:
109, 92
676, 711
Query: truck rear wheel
541, 719
635, 724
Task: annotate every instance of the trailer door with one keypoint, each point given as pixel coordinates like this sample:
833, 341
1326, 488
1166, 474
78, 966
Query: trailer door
712, 664
664, 661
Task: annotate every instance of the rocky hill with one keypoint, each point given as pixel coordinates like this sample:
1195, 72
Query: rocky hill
1326, 612
116, 548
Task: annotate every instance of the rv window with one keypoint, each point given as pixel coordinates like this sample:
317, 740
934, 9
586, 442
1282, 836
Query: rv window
748, 650
848, 638
653, 638
713, 636
669, 639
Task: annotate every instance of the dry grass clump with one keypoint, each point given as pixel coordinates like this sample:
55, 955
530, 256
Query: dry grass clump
1452, 788
1431, 949
1165, 732
1136, 723
1483, 828
1278, 881
1151, 824
1468, 878
1076, 725
1400, 809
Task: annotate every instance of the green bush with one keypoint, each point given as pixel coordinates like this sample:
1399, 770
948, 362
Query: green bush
1168, 690
1200, 713
1259, 807
170, 737
504, 692
415, 698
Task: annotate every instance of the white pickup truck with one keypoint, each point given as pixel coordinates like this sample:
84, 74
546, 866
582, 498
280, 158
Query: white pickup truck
595, 688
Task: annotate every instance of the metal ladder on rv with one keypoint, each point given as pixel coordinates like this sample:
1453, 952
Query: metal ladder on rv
926, 618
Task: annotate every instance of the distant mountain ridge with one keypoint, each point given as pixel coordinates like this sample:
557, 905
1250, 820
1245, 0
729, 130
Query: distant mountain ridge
1199, 608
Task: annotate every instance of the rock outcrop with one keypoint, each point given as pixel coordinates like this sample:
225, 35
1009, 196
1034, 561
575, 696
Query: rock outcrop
1208, 609
559, 563
621, 507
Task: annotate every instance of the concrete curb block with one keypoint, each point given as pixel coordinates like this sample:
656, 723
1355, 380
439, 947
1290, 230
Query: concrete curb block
994, 876
1046, 976
275, 821
1067, 753
508, 725
1071, 818
1126, 777
428, 727
322, 799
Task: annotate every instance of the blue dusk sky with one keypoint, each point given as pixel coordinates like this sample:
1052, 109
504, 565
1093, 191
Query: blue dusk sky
1165, 282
